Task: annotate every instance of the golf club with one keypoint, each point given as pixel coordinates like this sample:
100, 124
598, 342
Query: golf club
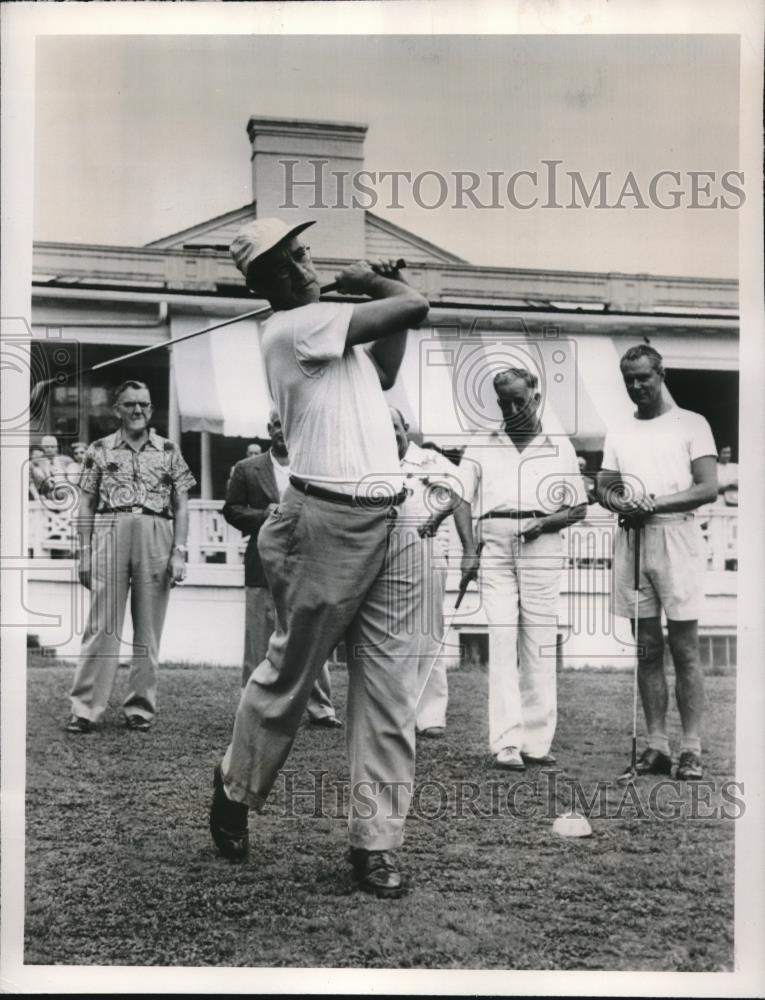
261, 312
631, 773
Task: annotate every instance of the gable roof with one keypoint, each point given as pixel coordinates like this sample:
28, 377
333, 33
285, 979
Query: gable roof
386, 239
218, 231
382, 238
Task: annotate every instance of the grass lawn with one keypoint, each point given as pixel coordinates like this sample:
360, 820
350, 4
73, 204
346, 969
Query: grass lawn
121, 870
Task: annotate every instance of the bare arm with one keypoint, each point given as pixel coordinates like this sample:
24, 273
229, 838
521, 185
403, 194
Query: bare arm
387, 354
176, 565
395, 308
85, 516
611, 492
181, 517
703, 490
555, 522
463, 520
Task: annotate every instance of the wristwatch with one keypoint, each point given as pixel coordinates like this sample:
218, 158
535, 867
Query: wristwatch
183, 549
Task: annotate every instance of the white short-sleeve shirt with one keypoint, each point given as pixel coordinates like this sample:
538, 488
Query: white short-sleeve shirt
658, 452
430, 480
543, 477
335, 418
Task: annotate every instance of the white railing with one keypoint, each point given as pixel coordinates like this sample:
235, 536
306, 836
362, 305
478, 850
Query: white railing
590, 541
212, 540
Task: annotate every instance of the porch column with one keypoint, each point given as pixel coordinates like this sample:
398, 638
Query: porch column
205, 486
173, 410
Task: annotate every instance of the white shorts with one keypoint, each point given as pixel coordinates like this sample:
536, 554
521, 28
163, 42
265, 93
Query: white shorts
672, 567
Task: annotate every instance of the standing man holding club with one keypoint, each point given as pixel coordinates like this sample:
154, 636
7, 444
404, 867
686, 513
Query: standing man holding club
325, 549
253, 491
657, 470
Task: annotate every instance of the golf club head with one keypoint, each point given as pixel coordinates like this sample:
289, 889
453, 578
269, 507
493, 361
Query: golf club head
627, 777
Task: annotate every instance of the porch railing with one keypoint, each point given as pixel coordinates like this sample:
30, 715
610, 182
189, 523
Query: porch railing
212, 540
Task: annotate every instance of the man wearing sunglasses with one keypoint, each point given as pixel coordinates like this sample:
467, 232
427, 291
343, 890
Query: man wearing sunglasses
133, 521
328, 549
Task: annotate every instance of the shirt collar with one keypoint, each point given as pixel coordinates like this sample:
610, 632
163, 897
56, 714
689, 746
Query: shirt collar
542, 440
121, 440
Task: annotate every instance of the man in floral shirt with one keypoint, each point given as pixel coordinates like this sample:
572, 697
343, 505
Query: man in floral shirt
133, 522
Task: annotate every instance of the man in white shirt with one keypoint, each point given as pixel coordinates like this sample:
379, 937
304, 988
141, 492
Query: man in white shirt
326, 548
433, 486
657, 469
525, 487
253, 491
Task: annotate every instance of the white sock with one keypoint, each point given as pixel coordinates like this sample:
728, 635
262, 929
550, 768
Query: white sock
659, 741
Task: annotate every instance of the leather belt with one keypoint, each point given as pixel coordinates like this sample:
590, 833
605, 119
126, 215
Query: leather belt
516, 515
346, 499
135, 510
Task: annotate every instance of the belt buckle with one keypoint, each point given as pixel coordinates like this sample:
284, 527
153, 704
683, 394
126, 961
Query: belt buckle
136, 510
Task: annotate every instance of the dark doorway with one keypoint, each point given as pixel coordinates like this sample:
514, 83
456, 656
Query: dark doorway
714, 395
78, 407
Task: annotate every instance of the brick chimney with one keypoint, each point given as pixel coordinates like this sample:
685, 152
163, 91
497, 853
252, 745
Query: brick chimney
295, 167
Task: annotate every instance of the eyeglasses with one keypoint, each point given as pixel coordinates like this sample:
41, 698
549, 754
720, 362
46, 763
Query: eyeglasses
133, 406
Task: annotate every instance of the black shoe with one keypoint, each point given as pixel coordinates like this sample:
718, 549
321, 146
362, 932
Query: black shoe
327, 722
689, 767
137, 724
228, 822
433, 732
376, 872
77, 724
651, 762
547, 760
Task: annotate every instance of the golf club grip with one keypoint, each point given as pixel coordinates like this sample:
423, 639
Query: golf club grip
636, 567
326, 289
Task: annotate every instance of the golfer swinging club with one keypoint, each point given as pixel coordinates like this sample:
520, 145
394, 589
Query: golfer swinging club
657, 469
326, 548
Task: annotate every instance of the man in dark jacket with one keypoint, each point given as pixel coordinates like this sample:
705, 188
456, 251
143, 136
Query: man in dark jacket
253, 491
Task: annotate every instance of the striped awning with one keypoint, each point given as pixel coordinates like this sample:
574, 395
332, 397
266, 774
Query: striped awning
446, 393
220, 380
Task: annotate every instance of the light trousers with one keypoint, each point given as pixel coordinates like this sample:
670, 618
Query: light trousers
259, 624
432, 681
129, 553
336, 572
520, 589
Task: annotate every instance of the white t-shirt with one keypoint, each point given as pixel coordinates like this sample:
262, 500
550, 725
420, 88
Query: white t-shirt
281, 474
658, 452
335, 418
544, 476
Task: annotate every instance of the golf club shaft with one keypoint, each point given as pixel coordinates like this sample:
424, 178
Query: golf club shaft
636, 585
262, 311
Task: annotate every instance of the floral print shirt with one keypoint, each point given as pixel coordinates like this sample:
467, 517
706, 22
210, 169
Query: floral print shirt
123, 477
